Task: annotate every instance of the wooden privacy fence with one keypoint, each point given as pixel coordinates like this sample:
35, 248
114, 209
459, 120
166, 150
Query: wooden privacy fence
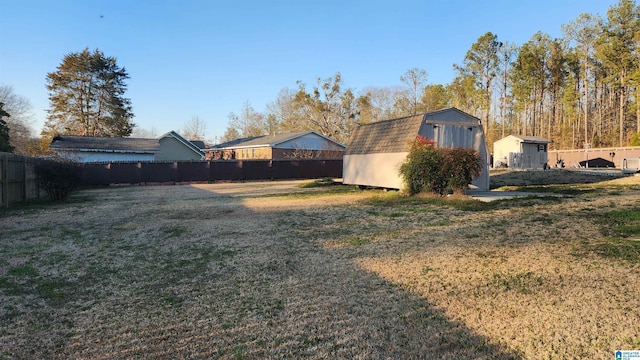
208, 171
17, 179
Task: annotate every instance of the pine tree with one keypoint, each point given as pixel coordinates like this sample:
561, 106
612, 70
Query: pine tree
481, 63
4, 131
87, 97
616, 48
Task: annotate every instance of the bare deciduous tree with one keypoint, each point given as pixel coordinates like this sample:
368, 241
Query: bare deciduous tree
139, 132
288, 116
381, 103
194, 129
415, 80
249, 123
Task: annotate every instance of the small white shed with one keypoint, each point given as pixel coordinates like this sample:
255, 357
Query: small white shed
376, 151
521, 152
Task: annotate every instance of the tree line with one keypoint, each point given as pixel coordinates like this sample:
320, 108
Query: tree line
578, 90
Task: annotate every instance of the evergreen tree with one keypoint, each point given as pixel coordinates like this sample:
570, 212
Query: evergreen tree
616, 48
583, 32
86, 95
435, 97
20, 120
481, 63
4, 131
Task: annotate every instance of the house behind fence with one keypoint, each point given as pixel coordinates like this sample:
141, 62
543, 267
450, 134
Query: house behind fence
300, 145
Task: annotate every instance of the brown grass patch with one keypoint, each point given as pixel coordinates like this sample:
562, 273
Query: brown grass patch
271, 270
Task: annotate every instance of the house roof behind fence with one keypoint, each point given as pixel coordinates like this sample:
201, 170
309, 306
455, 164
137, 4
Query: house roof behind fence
198, 143
267, 140
90, 143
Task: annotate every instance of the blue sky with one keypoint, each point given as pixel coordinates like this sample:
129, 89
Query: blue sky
207, 58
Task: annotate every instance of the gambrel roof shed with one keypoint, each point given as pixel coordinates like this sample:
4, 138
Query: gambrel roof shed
376, 151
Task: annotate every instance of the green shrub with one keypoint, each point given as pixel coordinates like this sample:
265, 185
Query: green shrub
439, 170
421, 168
461, 166
58, 177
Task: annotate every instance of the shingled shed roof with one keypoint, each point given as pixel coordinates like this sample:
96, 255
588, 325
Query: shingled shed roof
389, 136
89, 143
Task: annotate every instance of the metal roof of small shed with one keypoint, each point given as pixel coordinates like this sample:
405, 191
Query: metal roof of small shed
532, 139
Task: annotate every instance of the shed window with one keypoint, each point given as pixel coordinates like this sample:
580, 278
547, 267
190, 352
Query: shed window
542, 147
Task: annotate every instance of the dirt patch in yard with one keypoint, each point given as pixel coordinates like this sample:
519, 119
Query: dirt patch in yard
272, 270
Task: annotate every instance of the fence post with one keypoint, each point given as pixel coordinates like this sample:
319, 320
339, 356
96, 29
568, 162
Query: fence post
25, 196
5, 180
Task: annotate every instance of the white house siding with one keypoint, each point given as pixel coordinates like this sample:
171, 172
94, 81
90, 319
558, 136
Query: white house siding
377, 170
103, 156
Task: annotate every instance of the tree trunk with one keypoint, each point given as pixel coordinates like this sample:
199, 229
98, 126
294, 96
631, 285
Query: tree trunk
622, 106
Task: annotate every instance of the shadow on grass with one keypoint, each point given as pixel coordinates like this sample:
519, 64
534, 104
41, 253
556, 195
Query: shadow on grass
621, 227
42, 203
456, 202
250, 284
524, 178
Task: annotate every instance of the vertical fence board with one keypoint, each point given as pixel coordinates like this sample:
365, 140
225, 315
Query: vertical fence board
18, 182
4, 191
208, 171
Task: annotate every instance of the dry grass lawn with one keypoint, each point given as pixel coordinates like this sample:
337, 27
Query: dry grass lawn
272, 270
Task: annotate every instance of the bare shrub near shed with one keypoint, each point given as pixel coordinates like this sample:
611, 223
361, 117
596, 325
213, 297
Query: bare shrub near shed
58, 177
